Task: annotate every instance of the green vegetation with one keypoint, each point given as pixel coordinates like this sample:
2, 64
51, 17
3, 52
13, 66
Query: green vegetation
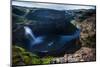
47, 60
19, 19
22, 57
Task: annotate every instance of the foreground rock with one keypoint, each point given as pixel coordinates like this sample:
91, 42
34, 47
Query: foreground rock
83, 55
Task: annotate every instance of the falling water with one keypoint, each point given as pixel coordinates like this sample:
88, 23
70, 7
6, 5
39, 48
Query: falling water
28, 31
34, 40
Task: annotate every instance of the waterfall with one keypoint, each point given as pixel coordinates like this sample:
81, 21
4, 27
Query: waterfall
28, 31
34, 40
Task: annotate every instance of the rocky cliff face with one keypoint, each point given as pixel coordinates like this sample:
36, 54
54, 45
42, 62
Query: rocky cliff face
41, 21
88, 31
87, 52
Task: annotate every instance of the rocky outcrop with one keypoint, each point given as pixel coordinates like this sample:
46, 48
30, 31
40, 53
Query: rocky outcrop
82, 55
88, 32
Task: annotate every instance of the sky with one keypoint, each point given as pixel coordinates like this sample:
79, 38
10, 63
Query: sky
51, 6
